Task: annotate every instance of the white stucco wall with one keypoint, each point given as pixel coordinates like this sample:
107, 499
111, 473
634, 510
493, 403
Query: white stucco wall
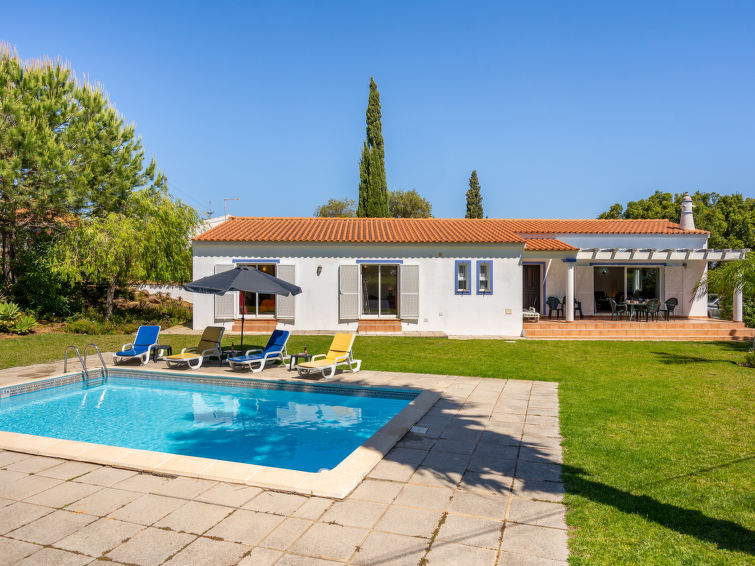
440, 309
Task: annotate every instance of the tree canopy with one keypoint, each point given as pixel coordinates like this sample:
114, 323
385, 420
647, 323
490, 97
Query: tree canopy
409, 204
730, 219
337, 208
373, 186
474, 198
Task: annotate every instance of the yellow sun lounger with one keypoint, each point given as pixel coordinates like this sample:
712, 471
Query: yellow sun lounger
338, 355
208, 347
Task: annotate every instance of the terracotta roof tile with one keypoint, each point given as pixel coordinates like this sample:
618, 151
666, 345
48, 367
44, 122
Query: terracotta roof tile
547, 244
422, 230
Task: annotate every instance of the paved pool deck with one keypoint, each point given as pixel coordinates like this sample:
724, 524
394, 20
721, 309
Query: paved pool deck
478, 483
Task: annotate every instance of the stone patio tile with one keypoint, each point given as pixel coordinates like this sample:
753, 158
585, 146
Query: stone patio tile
106, 476
354, 513
491, 438
34, 464
406, 456
387, 549
490, 483
4, 502
6, 476
446, 462
150, 547
516, 559
472, 531
332, 542
11, 551
376, 490
535, 541
490, 462
53, 527
393, 471
541, 490
538, 471
184, 487
286, 533
543, 430
260, 557
142, 482
505, 429
541, 420
18, 514
247, 527
497, 451
26, 487
63, 494
542, 454
208, 552
416, 441
49, 556
429, 476
97, 538
147, 509
194, 517
275, 502
479, 505
298, 560
507, 417
231, 494
425, 497
453, 446
544, 411
537, 513
449, 554
104, 501
461, 434
69, 470
313, 508
7, 457
409, 521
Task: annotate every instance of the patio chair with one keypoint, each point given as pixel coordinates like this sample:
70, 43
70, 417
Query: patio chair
652, 310
554, 305
256, 360
141, 349
670, 306
617, 311
208, 347
577, 307
338, 355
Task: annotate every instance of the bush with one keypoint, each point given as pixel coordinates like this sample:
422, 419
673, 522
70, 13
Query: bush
9, 312
83, 325
750, 359
24, 324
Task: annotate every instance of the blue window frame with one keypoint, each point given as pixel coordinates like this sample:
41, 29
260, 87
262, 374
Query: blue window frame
462, 277
484, 277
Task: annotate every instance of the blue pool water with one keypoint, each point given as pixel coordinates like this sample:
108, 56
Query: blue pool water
299, 430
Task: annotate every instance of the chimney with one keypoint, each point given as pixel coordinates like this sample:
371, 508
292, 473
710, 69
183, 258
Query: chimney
687, 221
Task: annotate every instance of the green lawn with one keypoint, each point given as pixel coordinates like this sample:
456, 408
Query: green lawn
659, 437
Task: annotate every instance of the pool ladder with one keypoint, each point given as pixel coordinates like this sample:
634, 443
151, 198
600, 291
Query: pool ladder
85, 371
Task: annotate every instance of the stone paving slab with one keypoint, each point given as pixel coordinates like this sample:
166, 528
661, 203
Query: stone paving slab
482, 486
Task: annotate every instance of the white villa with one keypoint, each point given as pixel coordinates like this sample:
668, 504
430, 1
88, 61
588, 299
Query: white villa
450, 276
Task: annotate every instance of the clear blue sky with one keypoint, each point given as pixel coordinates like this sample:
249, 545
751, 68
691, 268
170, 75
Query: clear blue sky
562, 107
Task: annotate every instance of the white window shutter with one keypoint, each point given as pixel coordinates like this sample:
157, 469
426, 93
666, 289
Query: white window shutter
225, 305
409, 290
348, 299
284, 306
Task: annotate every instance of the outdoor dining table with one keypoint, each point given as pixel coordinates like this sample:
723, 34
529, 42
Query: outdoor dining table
635, 307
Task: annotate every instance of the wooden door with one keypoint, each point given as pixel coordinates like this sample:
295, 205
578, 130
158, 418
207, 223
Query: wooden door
531, 287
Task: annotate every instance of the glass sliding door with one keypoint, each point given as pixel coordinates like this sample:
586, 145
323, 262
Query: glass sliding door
642, 282
380, 290
258, 304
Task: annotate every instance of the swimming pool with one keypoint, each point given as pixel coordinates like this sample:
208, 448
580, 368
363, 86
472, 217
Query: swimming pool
279, 424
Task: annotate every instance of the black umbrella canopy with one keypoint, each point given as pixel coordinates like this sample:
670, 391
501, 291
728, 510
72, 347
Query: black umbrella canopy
244, 279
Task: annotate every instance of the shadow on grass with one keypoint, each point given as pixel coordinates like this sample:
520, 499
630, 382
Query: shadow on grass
673, 358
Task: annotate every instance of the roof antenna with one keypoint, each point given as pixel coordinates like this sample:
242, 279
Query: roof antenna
225, 205
210, 212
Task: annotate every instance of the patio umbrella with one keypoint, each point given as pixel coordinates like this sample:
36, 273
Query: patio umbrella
245, 280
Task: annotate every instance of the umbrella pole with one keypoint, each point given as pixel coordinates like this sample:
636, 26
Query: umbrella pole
243, 310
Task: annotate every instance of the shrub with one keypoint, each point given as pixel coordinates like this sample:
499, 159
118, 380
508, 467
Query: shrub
750, 359
83, 325
24, 324
9, 312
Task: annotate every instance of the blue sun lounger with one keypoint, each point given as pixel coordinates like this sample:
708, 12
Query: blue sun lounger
257, 359
141, 349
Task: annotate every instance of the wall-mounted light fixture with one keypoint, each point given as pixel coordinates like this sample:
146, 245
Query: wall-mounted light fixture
319, 270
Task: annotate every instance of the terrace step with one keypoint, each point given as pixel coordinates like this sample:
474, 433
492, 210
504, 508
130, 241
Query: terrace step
627, 330
253, 325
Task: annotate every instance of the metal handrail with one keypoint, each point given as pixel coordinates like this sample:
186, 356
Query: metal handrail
78, 354
99, 354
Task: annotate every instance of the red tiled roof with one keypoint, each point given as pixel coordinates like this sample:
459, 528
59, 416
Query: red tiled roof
422, 230
547, 244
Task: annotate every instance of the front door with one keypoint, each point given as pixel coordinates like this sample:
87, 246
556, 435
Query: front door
531, 287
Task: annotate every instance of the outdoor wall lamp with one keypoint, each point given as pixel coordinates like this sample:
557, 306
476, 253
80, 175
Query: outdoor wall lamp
319, 270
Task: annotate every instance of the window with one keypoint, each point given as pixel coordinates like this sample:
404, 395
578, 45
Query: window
463, 269
379, 290
258, 304
485, 277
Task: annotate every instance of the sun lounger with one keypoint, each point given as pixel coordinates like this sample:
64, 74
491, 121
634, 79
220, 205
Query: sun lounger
338, 355
256, 360
208, 347
141, 349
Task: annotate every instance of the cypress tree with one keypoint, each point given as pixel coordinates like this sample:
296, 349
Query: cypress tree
373, 186
474, 198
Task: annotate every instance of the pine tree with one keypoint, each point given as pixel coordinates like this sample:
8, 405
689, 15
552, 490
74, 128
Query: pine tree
373, 186
474, 198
